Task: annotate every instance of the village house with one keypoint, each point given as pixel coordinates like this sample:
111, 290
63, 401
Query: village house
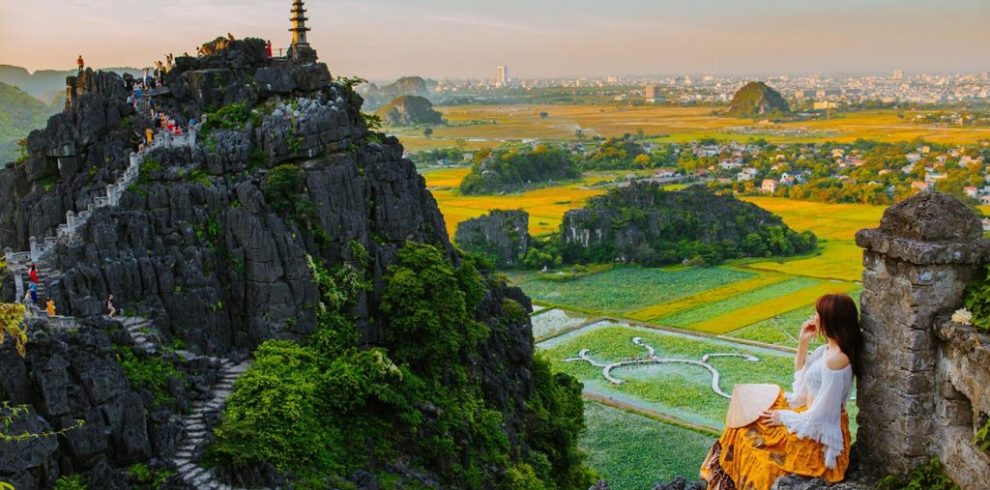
971, 191
919, 185
932, 177
729, 164
769, 186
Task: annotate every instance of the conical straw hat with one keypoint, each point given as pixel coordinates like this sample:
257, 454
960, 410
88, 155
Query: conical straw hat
748, 402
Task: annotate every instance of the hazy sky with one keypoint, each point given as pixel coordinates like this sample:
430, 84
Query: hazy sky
381, 39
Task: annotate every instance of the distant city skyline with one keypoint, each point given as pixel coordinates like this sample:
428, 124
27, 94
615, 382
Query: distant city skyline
385, 39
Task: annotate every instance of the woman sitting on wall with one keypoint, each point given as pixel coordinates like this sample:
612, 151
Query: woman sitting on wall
806, 432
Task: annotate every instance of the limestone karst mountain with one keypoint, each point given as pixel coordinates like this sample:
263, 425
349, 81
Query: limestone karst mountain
757, 99
644, 224
410, 110
377, 96
279, 221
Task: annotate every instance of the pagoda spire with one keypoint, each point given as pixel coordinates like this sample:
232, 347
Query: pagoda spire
299, 28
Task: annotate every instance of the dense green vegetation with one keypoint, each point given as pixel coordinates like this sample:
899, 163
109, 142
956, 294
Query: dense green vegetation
70, 482
438, 156
647, 225
319, 410
518, 169
141, 477
230, 116
151, 373
635, 452
617, 153
19, 115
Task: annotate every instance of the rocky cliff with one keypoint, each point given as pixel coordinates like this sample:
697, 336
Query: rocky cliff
500, 235
212, 243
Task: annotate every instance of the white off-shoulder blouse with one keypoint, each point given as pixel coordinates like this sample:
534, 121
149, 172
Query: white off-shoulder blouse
829, 390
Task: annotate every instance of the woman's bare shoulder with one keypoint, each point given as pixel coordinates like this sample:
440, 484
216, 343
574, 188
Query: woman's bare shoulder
835, 359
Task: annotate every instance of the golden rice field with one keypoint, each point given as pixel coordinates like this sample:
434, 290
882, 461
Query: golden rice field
749, 315
830, 221
546, 206
477, 126
705, 297
777, 288
834, 224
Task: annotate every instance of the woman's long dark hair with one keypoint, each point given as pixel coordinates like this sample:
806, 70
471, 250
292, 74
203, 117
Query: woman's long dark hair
839, 320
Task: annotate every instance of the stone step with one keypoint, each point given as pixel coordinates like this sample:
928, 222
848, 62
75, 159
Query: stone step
192, 475
203, 479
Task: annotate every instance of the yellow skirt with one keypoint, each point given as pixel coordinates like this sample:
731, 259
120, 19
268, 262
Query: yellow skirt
754, 456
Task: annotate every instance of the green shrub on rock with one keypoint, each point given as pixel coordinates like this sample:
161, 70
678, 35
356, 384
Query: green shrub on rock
978, 302
927, 476
70, 482
321, 409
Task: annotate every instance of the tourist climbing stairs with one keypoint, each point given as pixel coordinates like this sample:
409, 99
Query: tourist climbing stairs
141, 330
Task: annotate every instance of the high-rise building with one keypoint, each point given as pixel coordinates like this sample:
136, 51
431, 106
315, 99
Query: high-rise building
651, 94
897, 75
501, 76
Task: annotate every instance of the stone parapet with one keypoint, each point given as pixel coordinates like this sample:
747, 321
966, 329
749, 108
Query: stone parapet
916, 393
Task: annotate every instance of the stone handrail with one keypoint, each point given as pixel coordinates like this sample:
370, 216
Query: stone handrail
19, 262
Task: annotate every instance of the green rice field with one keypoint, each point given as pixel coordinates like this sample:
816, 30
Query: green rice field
634, 452
623, 289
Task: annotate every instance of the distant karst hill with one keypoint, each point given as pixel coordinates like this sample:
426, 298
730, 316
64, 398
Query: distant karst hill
19, 114
46, 84
758, 99
377, 96
410, 110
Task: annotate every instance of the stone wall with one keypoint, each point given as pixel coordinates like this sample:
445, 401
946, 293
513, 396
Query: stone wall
925, 385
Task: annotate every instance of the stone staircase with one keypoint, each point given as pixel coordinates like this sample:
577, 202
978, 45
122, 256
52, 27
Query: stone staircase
141, 330
195, 429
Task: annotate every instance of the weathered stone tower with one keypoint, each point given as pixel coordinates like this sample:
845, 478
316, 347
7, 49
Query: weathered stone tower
925, 386
299, 49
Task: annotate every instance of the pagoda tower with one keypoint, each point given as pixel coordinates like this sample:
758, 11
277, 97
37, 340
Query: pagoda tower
299, 28
299, 50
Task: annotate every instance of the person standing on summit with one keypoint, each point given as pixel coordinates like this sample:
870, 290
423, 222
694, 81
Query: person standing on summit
268, 49
80, 63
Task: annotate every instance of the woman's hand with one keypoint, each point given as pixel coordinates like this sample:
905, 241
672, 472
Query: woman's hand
771, 418
809, 330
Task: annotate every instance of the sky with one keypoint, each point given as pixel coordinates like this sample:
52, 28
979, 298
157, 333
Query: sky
385, 39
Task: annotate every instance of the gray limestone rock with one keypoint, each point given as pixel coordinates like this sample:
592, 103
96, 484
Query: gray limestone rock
503, 235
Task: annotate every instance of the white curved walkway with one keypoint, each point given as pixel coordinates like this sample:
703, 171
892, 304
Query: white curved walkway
583, 356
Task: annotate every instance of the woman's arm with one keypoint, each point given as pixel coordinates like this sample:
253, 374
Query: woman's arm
808, 332
822, 422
